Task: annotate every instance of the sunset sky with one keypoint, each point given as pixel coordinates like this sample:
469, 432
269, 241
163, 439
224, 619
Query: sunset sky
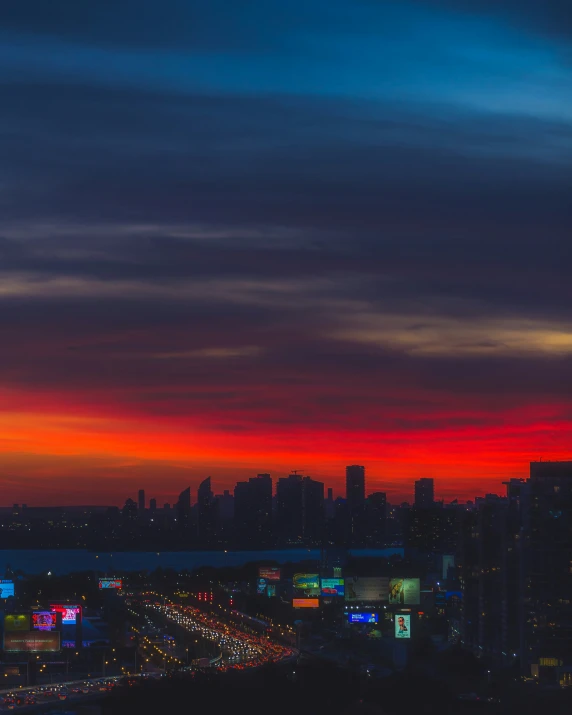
256, 236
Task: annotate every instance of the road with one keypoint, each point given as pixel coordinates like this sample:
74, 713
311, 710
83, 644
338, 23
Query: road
237, 648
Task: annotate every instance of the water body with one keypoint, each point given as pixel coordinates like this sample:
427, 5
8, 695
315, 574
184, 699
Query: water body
69, 560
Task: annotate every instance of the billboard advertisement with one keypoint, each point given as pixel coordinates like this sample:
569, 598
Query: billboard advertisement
261, 586
17, 622
362, 618
332, 587
115, 583
402, 625
372, 588
271, 590
70, 614
270, 573
6, 588
404, 591
32, 642
306, 602
307, 583
44, 621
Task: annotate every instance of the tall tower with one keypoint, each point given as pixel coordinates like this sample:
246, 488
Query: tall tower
424, 493
546, 541
141, 500
355, 488
355, 505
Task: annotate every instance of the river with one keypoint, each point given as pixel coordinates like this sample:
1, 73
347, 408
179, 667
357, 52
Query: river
69, 560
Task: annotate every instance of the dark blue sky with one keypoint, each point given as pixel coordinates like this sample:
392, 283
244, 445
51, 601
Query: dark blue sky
317, 231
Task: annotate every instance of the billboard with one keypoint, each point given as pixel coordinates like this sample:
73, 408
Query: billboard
307, 583
404, 591
115, 583
372, 588
6, 588
32, 642
44, 621
332, 586
17, 622
362, 618
70, 614
402, 625
271, 590
261, 586
306, 602
270, 573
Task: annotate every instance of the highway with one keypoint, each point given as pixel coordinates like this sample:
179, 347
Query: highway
237, 649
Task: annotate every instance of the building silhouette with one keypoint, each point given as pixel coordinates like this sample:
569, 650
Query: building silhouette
289, 516
546, 620
355, 504
253, 513
141, 501
312, 511
207, 522
424, 493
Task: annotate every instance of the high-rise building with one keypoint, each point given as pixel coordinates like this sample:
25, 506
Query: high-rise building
376, 518
152, 505
289, 521
312, 511
546, 542
424, 493
206, 514
253, 512
141, 501
183, 512
355, 505
355, 487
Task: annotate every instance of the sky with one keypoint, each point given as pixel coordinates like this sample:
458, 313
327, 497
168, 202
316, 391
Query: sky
257, 236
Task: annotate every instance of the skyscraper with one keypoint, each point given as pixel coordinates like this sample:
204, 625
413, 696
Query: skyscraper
206, 513
183, 511
289, 522
424, 493
547, 569
253, 512
312, 511
141, 500
355, 487
355, 504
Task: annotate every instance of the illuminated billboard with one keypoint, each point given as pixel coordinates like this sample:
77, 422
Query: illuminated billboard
32, 642
115, 583
17, 622
306, 602
70, 614
6, 588
44, 620
270, 573
271, 590
404, 591
362, 618
372, 588
402, 625
307, 583
332, 586
261, 586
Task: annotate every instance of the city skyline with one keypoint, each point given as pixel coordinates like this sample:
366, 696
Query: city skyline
243, 237
148, 493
